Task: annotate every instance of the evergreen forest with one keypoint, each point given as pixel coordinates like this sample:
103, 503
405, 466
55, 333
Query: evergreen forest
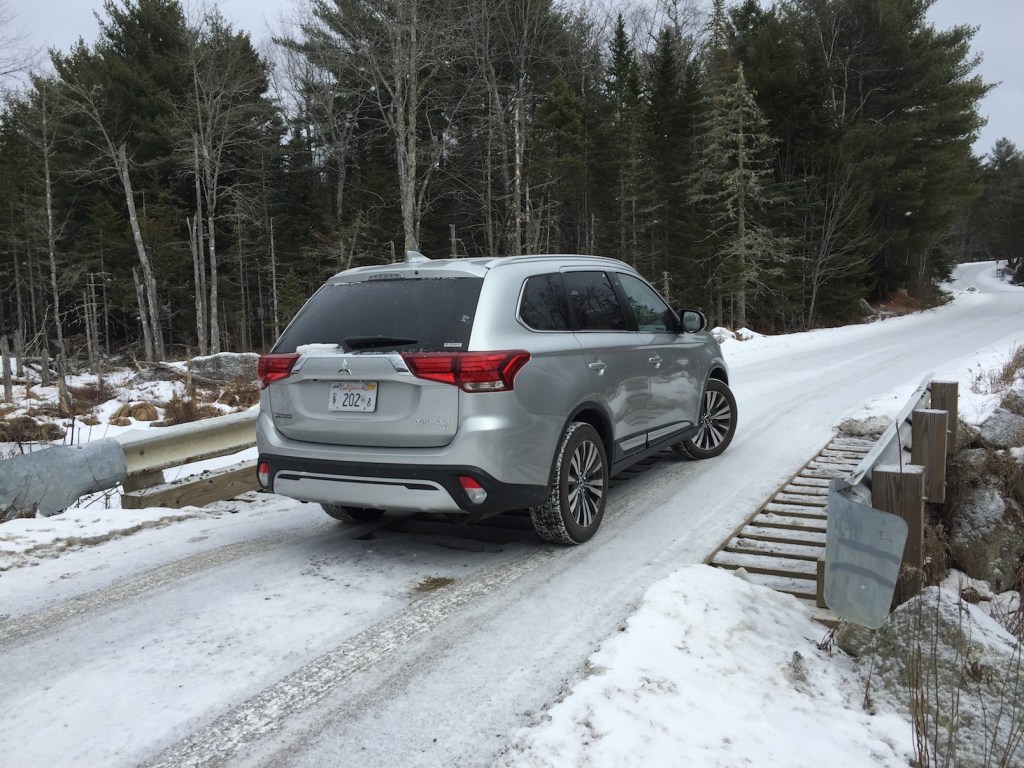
171, 188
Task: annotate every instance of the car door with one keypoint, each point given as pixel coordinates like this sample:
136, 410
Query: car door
617, 363
674, 360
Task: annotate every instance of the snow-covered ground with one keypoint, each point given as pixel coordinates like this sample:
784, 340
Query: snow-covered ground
709, 670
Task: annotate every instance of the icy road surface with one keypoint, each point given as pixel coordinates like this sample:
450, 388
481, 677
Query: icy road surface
271, 637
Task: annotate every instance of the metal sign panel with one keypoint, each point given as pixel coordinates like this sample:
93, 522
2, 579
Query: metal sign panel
863, 552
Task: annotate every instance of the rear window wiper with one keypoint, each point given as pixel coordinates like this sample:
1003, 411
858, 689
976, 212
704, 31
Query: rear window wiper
369, 342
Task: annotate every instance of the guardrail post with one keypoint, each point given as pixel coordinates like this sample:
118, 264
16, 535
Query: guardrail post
928, 449
142, 480
945, 397
900, 490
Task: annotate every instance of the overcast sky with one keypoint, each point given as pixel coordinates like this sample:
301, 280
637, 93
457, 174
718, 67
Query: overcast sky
59, 23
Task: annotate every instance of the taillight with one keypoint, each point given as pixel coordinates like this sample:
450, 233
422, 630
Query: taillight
469, 371
273, 368
473, 489
263, 474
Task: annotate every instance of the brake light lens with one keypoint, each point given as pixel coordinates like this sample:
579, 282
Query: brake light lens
271, 368
263, 474
473, 489
469, 371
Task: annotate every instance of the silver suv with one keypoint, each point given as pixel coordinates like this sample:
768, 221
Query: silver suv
471, 387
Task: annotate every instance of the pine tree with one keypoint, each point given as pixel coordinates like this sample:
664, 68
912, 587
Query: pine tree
733, 185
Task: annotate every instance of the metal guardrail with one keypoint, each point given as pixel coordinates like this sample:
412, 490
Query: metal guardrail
49, 481
865, 546
153, 450
889, 448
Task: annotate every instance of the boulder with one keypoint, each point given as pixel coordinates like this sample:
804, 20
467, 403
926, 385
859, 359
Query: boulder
1003, 429
987, 535
960, 670
1014, 402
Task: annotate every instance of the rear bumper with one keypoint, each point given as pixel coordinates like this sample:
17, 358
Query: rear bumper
395, 487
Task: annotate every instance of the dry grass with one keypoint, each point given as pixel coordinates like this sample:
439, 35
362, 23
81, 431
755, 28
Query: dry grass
1000, 379
936, 553
1007, 375
241, 393
137, 411
181, 410
25, 429
940, 709
87, 397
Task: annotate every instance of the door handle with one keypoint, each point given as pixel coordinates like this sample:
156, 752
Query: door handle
655, 361
598, 366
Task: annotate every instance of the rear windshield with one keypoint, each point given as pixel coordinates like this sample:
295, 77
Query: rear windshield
406, 315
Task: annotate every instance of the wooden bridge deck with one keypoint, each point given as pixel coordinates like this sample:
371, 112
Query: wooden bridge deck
780, 544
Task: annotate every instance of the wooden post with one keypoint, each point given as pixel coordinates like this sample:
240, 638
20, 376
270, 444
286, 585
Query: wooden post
945, 396
900, 490
928, 449
142, 480
5, 351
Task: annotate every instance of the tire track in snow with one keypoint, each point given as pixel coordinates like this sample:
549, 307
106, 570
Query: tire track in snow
216, 743
16, 629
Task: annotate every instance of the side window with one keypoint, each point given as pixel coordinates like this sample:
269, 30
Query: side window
649, 309
544, 306
594, 302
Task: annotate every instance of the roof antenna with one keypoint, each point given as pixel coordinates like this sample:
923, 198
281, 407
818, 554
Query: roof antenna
414, 257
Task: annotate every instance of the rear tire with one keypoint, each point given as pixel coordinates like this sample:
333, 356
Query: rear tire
576, 503
717, 423
352, 514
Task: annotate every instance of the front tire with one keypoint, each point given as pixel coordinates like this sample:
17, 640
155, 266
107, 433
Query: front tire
352, 514
717, 423
575, 507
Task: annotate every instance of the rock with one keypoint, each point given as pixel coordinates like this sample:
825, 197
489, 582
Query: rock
961, 666
987, 536
1002, 429
855, 640
1014, 402
973, 461
966, 434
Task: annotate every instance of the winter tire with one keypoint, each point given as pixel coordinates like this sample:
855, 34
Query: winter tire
716, 425
575, 507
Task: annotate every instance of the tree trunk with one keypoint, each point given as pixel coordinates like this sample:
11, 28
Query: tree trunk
214, 322
150, 316
198, 268
147, 339
273, 281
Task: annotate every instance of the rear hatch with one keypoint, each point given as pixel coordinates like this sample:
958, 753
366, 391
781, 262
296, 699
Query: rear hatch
350, 384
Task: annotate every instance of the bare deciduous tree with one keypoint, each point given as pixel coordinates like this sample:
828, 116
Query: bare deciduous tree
398, 53
85, 100
228, 80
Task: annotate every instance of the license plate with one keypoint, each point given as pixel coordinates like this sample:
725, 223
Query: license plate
358, 396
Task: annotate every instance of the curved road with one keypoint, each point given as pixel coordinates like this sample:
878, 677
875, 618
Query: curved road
271, 637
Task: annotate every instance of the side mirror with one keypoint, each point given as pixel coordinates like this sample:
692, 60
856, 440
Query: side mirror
693, 321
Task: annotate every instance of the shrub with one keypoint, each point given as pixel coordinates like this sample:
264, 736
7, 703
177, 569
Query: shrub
241, 393
25, 429
181, 410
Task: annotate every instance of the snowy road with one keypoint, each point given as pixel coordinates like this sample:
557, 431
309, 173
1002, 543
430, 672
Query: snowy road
271, 637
